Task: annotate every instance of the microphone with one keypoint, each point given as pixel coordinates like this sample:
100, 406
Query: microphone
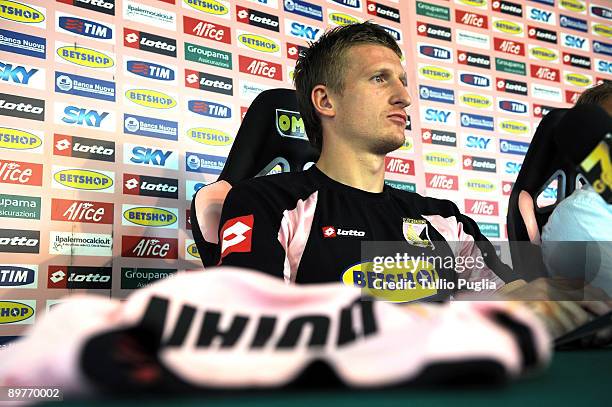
584, 135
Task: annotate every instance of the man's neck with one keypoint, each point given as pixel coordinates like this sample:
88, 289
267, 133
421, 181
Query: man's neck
358, 170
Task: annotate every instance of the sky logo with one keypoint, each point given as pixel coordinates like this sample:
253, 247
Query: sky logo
512, 168
209, 109
547, 17
438, 116
477, 143
16, 73
301, 30
149, 156
83, 117
573, 41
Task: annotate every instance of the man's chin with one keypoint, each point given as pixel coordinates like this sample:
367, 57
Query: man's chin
386, 146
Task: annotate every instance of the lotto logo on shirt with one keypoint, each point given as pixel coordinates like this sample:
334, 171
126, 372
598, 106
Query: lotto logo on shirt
481, 207
259, 67
20, 173
236, 235
207, 30
149, 42
149, 247
396, 165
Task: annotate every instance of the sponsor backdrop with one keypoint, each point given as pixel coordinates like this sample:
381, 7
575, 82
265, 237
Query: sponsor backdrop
114, 112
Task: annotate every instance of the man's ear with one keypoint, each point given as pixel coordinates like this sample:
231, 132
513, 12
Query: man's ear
323, 101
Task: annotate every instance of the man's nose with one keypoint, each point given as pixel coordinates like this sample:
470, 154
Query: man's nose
401, 95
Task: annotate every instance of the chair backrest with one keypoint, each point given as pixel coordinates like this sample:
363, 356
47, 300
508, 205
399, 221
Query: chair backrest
543, 163
271, 139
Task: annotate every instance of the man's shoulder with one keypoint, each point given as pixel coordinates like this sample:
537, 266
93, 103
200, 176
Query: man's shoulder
427, 205
279, 190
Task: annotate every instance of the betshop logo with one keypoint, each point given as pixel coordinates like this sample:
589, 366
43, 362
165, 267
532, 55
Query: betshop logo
81, 147
149, 42
204, 29
19, 241
69, 210
80, 277
144, 185
149, 247
257, 18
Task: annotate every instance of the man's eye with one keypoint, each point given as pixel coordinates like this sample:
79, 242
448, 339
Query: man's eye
378, 79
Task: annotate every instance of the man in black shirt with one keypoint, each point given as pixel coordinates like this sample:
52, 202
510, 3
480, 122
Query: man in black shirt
308, 227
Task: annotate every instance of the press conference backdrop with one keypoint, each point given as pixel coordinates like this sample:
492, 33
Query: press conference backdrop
113, 113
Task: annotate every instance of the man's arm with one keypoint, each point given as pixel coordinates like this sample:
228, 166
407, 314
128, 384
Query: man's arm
248, 232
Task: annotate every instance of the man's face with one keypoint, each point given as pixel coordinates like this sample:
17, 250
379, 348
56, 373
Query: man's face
370, 113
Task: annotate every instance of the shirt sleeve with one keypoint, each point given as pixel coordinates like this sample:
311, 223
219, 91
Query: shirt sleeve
248, 232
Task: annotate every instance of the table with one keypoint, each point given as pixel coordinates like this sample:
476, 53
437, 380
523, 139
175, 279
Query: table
576, 378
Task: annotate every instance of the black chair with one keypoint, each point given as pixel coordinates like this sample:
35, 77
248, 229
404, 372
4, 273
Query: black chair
271, 139
543, 164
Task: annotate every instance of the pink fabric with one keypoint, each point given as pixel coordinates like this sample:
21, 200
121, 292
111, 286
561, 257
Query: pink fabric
405, 341
463, 245
293, 234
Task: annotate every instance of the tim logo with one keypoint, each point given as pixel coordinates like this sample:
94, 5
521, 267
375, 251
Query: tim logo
236, 235
209, 109
151, 70
86, 28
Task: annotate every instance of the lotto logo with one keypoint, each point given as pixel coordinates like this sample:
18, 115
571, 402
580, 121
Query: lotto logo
236, 235
329, 231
